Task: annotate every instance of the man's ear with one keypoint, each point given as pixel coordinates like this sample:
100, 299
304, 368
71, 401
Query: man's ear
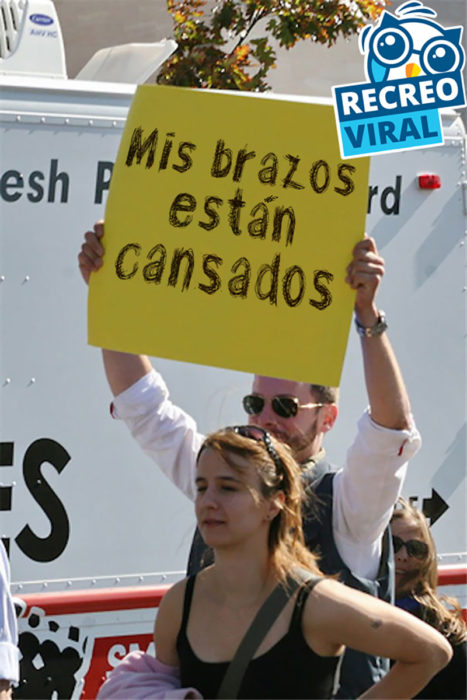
330, 417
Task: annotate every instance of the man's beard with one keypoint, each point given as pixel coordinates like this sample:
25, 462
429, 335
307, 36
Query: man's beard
300, 441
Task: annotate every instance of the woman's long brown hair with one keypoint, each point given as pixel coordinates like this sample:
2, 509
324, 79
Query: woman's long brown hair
440, 611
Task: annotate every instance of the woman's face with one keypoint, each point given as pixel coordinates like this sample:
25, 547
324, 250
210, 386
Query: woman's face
229, 507
407, 567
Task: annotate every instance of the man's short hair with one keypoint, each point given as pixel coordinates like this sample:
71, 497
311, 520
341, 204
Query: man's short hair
325, 394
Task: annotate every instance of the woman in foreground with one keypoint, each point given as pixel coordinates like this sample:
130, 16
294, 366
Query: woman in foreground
248, 510
416, 592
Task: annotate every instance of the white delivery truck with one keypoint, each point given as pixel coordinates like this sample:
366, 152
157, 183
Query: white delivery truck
95, 532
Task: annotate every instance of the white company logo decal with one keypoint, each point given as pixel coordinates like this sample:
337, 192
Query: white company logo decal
414, 68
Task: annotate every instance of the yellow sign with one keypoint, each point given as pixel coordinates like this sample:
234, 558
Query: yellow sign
229, 224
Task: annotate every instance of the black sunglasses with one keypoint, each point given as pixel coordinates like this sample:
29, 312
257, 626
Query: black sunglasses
254, 432
284, 406
415, 548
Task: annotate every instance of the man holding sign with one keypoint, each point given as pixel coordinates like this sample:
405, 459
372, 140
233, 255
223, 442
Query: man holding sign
352, 529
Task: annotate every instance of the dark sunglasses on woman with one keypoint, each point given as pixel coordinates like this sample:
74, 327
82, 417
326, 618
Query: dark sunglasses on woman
284, 406
415, 548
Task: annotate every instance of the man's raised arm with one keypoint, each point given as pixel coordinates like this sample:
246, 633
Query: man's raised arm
167, 434
388, 398
367, 488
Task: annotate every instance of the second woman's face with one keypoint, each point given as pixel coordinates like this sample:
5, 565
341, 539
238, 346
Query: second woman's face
407, 567
228, 504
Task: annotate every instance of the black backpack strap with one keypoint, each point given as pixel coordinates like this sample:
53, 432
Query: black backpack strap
189, 586
302, 596
255, 634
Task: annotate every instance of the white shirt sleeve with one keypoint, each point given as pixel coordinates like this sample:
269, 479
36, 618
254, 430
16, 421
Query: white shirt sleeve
167, 434
9, 653
365, 492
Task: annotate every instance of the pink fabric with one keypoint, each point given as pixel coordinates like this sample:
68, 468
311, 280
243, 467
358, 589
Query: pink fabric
140, 676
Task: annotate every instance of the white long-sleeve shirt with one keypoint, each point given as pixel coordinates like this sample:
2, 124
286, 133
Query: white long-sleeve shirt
365, 489
9, 653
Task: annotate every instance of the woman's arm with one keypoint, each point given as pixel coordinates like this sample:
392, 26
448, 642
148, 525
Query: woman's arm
141, 676
167, 625
337, 615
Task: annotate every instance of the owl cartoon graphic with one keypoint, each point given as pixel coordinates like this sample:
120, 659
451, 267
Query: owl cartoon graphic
410, 45
413, 69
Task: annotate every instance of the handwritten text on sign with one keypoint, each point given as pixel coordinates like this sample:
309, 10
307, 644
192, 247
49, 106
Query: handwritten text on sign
229, 225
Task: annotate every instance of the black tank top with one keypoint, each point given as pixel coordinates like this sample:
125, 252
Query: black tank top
290, 669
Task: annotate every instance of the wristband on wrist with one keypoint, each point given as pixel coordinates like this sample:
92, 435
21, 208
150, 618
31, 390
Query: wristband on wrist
372, 331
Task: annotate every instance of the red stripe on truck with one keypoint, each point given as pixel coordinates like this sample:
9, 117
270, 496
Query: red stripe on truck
99, 600
133, 598
452, 575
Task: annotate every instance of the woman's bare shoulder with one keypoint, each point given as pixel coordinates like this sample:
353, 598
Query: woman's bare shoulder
329, 599
173, 598
168, 621
327, 589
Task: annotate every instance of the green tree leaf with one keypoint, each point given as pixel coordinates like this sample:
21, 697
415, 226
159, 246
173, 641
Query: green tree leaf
216, 50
